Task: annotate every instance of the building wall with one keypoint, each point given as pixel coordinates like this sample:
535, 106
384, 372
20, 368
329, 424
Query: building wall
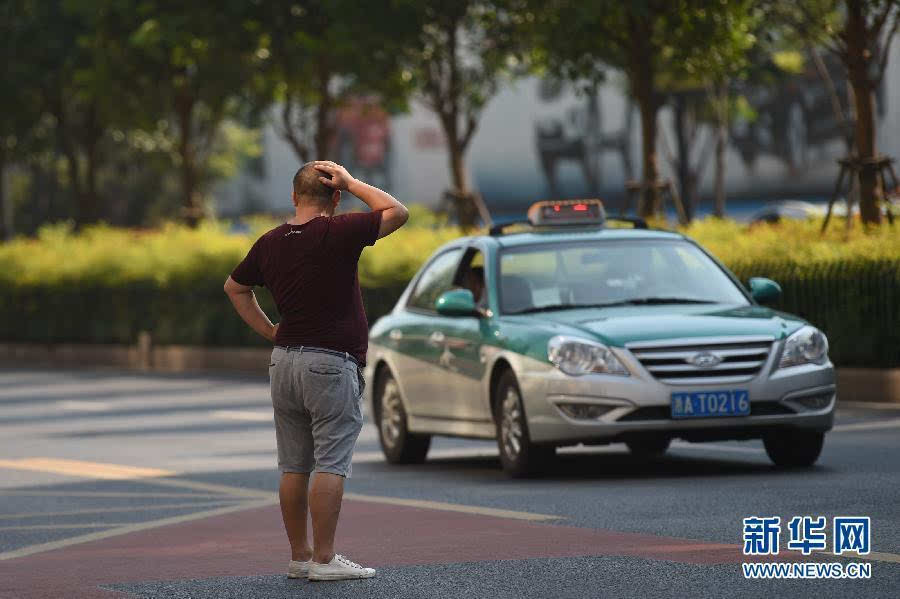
536, 141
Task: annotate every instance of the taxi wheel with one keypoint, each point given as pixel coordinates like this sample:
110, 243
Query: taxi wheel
397, 443
648, 447
794, 448
518, 455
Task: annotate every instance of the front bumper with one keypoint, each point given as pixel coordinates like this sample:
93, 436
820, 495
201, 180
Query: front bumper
640, 404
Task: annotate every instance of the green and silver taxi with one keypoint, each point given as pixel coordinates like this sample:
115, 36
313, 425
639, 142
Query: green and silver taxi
573, 332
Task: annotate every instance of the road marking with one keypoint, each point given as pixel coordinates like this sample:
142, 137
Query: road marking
715, 447
868, 426
84, 406
453, 507
874, 405
36, 493
248, 415
58, 526
214, 488
119, 472
364, 457
130, 508
121, 530
83, 469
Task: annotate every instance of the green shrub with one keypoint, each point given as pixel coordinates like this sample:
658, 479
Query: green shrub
104, 285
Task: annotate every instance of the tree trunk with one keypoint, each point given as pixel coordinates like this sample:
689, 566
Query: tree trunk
73, 169
190, 200
301, 151
857, 59
90, 207
322, 138
721, 113
461, 195
641, 75
458, 169
650, 200
6, 212
719, 175
869, 185
686, 185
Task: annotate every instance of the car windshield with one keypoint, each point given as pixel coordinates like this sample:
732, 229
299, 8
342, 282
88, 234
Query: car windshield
610, 273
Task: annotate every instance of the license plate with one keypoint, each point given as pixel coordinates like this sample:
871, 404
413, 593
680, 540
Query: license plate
710, 404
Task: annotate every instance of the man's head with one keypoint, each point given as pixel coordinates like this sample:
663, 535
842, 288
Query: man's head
309, 191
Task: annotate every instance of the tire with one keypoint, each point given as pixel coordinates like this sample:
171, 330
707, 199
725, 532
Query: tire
794, 448
648, 447
518, 455
398, 444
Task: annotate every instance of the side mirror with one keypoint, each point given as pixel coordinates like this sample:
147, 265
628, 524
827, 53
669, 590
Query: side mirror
456, 302
764, 291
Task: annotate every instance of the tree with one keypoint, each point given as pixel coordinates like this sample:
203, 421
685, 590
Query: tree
60, 76
732, 33
651, 41
192, 61
859, 33
18, 106
465, 48
321, 52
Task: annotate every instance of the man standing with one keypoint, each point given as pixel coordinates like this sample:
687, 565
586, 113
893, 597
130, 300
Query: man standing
310, 266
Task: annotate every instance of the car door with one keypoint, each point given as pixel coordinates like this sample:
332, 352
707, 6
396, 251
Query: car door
420, 342
461, 360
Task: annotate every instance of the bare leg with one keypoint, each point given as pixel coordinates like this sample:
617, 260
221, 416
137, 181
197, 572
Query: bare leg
293, 492
325, 506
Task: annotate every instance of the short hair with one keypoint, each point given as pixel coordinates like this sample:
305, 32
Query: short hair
309, 189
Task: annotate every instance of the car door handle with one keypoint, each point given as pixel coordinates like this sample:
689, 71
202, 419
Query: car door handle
396, 334
436, 338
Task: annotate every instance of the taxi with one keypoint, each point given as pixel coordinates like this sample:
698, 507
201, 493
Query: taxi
574, 332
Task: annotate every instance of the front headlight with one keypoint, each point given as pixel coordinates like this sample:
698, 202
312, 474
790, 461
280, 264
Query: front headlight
807, 346
581, 356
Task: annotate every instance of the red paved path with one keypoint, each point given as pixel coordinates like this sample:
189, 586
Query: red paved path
252, 542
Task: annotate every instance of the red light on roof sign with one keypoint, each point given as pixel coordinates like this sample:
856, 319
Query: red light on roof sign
568, 212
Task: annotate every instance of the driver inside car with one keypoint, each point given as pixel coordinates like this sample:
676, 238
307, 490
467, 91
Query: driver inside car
473, 280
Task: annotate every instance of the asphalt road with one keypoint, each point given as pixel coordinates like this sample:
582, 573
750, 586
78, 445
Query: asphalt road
123, 485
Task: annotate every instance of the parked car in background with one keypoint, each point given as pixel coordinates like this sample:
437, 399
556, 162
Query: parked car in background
773, 212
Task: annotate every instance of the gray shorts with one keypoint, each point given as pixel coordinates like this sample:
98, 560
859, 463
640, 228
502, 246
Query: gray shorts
317, 396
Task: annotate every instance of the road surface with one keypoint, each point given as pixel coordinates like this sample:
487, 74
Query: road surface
125, 485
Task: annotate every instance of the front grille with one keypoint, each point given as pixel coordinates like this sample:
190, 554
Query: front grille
757, 408
701, 361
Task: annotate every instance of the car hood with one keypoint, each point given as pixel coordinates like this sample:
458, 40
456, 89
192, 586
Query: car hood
620, 325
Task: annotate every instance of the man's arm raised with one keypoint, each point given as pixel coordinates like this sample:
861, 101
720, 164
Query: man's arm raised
394, 214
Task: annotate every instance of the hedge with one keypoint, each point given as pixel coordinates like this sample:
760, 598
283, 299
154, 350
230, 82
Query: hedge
104, 285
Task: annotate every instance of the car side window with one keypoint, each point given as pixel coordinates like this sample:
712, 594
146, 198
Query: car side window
471, 275
435, 280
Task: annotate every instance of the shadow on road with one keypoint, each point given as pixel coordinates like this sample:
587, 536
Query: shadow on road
600, 466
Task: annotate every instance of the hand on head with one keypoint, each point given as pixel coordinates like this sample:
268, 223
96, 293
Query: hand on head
339, 177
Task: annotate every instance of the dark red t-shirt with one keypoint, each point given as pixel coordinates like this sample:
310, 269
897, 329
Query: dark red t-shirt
311, 270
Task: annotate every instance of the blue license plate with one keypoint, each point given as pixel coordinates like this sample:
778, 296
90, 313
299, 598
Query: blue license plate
710, 404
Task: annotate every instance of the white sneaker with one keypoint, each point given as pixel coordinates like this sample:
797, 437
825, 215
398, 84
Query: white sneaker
298, 569
339, 568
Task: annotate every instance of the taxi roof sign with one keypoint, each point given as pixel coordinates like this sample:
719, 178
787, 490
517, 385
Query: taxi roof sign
567, 212
550, 213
